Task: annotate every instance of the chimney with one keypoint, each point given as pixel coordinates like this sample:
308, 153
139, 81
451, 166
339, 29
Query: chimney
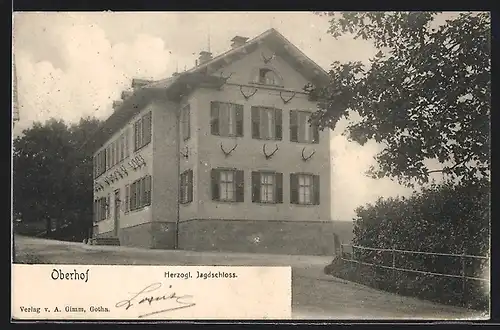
126, 94
204, 57
238, 41
116, 104
138, 83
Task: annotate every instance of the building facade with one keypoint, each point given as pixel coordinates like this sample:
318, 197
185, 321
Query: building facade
220, 157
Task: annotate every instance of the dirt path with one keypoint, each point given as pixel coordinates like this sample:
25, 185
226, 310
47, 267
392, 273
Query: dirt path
314, 294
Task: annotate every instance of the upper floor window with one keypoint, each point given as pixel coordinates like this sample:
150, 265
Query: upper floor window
138, 193
226, 119
186, 122
186, 187
227, 185
301, 130
304, 189
142, 131
267, 187
266, 123
100, 162
267, 76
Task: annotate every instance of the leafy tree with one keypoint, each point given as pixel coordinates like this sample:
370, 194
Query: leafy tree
52, 179
425, 95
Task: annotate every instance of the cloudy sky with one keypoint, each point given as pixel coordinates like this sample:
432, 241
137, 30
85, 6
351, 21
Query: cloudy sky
71, 65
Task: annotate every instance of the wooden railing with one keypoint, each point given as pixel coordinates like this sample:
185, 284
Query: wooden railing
393, 266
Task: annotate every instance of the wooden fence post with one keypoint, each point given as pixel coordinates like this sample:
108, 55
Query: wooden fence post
394, 265
464, 279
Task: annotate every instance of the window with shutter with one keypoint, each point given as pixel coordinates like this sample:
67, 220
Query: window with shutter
226, 119
228, 185
304, 189
267, 187
301, 130
266, 123
143, 131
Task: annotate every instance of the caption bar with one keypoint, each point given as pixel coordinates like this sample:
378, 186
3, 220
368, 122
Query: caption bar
79, 292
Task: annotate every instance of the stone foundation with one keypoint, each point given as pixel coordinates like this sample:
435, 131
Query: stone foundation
151, 235
246, 236
275, 237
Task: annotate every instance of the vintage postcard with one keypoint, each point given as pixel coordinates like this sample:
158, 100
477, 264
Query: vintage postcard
304, 165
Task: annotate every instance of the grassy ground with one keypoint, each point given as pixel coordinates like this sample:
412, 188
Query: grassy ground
315, 295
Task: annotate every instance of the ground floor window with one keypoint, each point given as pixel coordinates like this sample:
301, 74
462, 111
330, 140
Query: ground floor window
267, 187
227, 185
186, 187
304, 189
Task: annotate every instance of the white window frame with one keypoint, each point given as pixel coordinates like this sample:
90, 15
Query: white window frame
227, 185
267, 187
305, 189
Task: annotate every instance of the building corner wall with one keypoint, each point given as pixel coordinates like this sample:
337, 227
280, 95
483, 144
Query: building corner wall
165, 176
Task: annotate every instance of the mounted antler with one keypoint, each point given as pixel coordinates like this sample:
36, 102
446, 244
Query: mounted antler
124, 169
143, 161
227, 153
289, 99
247, 96
307, 158
267, 60
271, 154
226, 78
186, 154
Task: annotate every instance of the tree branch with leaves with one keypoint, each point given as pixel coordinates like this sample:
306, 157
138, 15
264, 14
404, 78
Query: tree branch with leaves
425, 95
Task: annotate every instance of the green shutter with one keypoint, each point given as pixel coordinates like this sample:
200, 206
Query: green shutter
108, 206
279, 188
148, 190
136, 136
316, 190
215, 184
188, 123
293, 126
278, 119
181, 188
147, 127
294, 189
255, 122
255, 187
239, 119
127, 198
214, 122
240, 185
190, 186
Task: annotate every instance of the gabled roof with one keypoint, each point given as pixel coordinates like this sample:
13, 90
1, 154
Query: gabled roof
175, 86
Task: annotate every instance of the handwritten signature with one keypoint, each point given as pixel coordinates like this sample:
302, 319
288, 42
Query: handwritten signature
141, 297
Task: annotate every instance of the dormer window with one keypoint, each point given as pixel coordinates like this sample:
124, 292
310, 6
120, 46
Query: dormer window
268, 77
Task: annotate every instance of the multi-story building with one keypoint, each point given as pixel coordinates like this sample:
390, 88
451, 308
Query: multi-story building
219, 157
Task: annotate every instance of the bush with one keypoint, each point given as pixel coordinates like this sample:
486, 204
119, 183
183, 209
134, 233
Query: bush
446, 218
